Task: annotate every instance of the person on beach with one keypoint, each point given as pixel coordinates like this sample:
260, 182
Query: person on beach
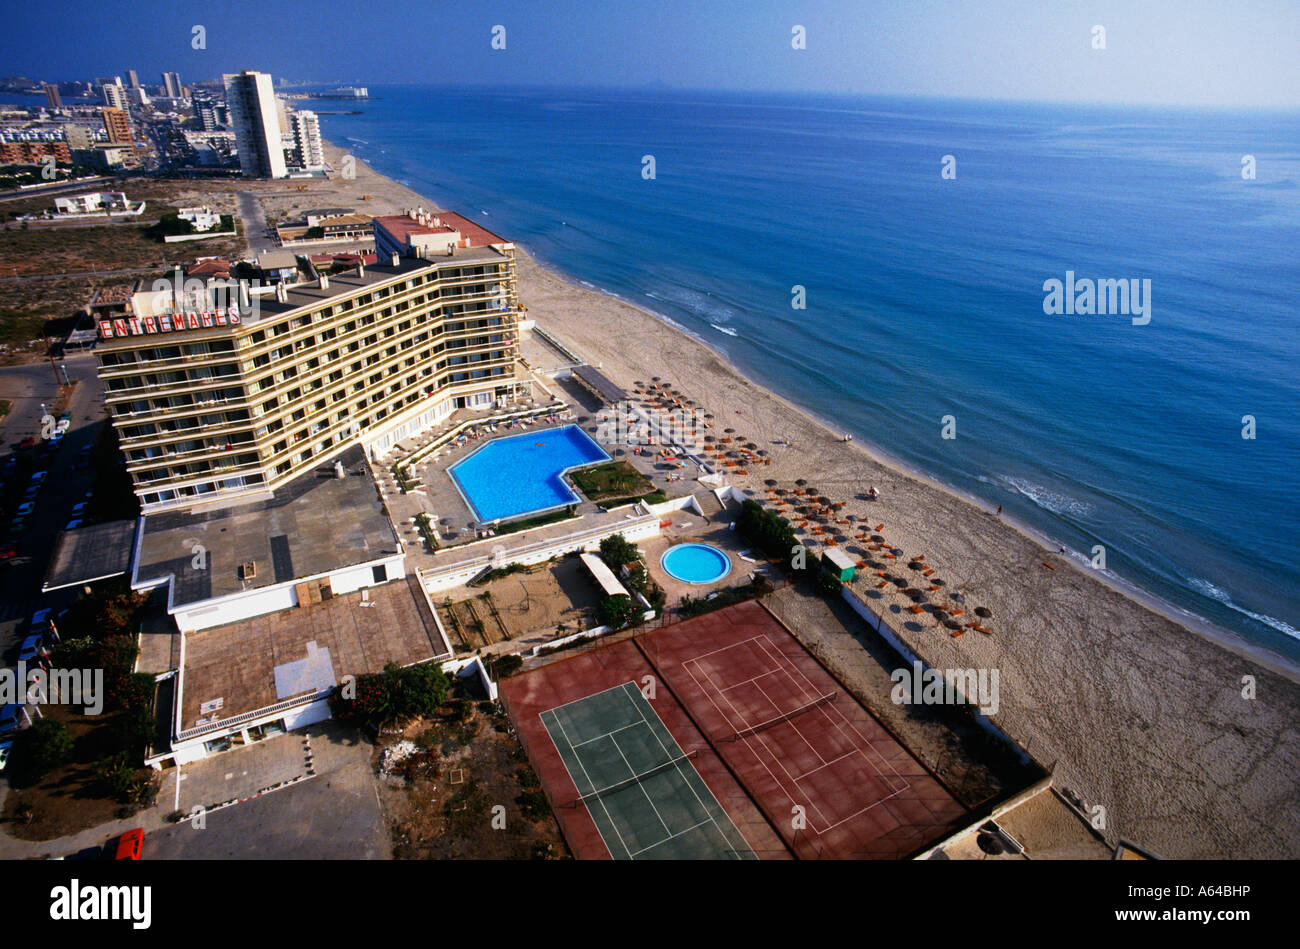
999, 510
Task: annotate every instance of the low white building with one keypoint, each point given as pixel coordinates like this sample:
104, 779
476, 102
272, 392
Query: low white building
203, 219
96, 202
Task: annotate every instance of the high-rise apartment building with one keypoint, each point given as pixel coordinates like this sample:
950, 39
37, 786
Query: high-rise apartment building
250, 99
230, 396
117, 123
171, 82
306, 140
52, 98
205, 110
132, 79
114, 96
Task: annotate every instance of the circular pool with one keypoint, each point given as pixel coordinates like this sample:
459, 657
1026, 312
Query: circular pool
695, 563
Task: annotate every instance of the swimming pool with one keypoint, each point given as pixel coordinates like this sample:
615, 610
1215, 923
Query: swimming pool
695, 563
523, 474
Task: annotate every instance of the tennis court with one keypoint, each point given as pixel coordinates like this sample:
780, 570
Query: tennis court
640, 788
627, 773
830, 778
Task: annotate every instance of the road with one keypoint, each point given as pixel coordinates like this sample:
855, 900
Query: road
253, 216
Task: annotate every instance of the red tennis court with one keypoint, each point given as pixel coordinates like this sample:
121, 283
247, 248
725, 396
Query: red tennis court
831, 780
592, 825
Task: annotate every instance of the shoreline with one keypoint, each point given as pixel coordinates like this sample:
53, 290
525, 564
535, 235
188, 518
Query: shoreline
1192, 622
1131, 707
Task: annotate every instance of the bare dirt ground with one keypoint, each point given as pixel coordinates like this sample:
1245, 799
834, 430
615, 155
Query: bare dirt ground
465, 790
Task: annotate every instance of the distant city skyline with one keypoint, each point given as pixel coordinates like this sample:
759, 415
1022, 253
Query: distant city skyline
1230, 53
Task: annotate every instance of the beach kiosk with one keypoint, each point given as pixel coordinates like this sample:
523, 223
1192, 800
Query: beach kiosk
839, 563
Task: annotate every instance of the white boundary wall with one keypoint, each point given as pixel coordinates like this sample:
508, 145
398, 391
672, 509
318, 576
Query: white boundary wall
634, 529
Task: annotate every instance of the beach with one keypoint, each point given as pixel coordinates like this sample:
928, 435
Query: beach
1188, 747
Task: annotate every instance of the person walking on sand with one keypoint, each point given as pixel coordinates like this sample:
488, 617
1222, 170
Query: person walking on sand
999, 510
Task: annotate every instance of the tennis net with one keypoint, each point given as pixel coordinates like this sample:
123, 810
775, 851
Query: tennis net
635, 779
784, 717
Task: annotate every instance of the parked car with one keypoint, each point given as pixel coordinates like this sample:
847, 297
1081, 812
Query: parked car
8, 551
62, 427
25, 509
17, 525
79, 508
11, 716
26, 443
9, 466
38, 477
5, 747
32, 493
32, 648
128, 846
73, 524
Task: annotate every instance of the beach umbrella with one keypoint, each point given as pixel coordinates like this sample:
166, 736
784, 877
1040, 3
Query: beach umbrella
983, 611
770, 482
654, 378
801, 482
730, 431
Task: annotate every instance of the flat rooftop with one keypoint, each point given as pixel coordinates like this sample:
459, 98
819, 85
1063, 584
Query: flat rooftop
306, 295
90, 553
315, 524
246, 666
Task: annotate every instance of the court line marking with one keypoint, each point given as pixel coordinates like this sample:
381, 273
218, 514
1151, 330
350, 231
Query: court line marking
843, 722
589, 781
622, 689
782, 663
726, 718
678, 768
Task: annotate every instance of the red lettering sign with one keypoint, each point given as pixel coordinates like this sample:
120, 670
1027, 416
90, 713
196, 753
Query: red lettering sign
106, 329
150, 325
119, 327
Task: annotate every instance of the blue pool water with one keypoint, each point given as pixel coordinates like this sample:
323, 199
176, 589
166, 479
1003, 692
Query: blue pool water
522, 474
695, 563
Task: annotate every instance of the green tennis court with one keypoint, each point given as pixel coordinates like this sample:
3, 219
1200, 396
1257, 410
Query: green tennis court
641, 790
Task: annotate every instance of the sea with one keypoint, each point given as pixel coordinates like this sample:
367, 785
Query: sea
885, 262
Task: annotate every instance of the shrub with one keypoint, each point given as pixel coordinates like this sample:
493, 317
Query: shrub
533, 804
45, 746
617, 551
394, 694
616, 612
766, 530
507, 665
827, 583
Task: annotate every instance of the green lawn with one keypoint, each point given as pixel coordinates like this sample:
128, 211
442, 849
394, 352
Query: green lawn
616, 479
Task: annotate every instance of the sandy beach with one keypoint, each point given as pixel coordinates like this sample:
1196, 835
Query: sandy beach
1136, 713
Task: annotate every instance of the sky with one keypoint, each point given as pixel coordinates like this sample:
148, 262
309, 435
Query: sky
1243, 53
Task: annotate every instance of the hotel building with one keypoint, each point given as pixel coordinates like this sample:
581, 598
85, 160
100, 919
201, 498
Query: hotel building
225, 393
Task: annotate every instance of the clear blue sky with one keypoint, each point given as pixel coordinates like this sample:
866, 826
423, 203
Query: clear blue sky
1210, 52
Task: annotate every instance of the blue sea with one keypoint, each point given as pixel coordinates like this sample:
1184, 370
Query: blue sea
925, 294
